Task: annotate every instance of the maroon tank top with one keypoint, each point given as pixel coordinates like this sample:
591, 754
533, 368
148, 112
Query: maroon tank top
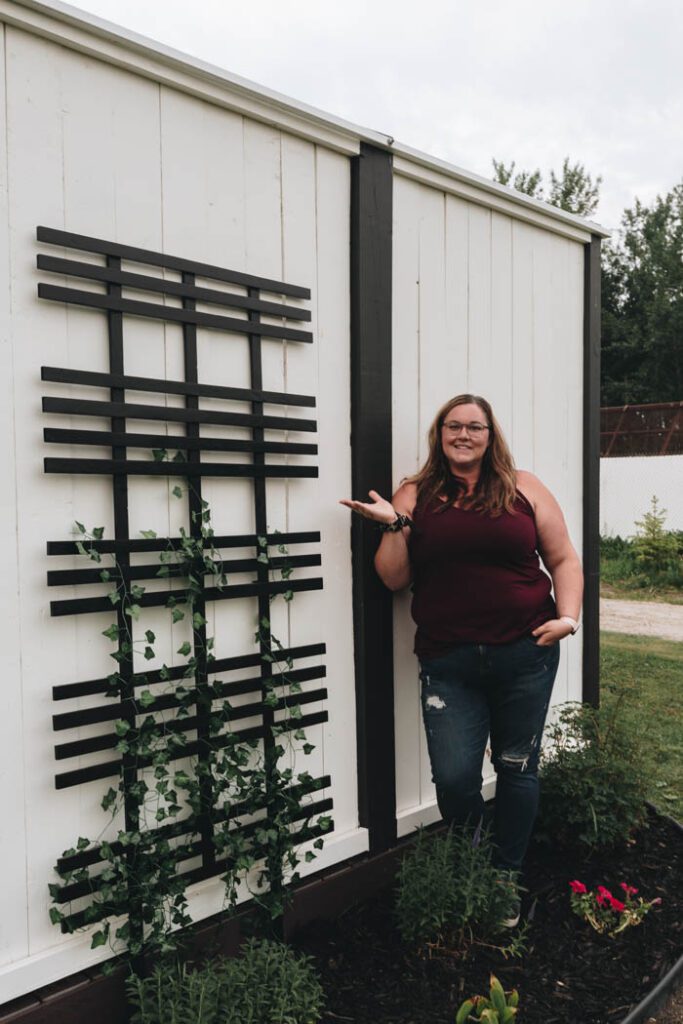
476, 578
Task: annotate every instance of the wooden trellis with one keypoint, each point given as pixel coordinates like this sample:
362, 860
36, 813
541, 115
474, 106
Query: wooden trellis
194, 833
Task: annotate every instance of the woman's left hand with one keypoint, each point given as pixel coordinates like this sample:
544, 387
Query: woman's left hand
551, 632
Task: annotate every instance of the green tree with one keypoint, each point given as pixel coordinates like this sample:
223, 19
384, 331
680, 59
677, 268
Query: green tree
573, 189
642, 301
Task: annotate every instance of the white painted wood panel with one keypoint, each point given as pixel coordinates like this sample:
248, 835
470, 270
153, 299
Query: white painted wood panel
496, 309
99, 151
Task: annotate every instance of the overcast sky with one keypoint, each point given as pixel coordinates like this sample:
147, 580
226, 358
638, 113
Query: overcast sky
600, 81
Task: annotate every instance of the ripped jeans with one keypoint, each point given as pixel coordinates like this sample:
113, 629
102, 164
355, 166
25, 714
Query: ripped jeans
477, 690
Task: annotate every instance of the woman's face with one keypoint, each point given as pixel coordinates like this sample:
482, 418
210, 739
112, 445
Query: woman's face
465, 449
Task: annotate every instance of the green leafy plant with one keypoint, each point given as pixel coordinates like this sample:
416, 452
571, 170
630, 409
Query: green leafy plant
499, 1008
655, 548
267, 984
239, 797
596, 771
607, 914
450, 893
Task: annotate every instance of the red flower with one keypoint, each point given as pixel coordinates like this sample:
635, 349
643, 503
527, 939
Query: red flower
628, 889
578, 887
617, 905
603, 895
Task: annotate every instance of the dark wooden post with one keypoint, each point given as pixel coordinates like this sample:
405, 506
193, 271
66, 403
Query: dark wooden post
591, 472
371, 231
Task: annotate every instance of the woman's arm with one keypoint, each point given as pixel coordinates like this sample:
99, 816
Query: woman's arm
392, 561
558, 554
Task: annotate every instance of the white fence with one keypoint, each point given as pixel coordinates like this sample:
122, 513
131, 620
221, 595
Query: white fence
627, 486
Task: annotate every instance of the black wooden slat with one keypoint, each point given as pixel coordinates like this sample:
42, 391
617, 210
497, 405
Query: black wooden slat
186, 826
164, 702
243, 540
77, 606
135, 411
171, 314
89, 687
108, 741
136, 467
111, 768
72, 577
86, 243
58, 435
146, 282
63, 375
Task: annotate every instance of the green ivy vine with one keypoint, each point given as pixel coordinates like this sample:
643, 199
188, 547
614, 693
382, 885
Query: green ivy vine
224, 783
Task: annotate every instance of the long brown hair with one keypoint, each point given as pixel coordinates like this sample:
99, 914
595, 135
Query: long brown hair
496, 488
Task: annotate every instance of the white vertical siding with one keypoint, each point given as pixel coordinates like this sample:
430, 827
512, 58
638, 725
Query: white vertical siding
103, 152
485, 304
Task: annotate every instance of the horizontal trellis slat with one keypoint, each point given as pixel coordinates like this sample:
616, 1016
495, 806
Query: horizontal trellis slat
145, 282
85, 243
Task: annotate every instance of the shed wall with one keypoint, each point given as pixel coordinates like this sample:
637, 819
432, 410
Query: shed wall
483, 301
488, 305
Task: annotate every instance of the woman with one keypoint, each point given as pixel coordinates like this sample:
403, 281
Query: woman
466, 532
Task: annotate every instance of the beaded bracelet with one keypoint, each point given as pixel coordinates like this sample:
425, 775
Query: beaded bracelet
398, 524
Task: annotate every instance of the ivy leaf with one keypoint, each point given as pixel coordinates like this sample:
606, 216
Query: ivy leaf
149, 653
111, 632
137, 591
299, 734
82, 843
80, 526
198, 620
149, 636
98, 532
134, 611
164, 673
308, 856
263, 559
184, 648
81, 549
308, 748
148, 534
105, 575
109, 799
262, 542
98, 939
56, 916
121, 727
179, 457
319, 844
114, 597
146, 699
159, 454
177, 492
178, 615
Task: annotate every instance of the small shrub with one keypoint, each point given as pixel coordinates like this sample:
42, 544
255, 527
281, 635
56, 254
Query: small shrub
596, 772
448, 886
268, 984
655, 548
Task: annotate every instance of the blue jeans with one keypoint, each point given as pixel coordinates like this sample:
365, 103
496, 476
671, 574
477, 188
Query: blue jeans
477, 690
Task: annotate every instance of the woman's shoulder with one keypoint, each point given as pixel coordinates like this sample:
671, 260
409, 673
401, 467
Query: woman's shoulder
528, 485
405, 498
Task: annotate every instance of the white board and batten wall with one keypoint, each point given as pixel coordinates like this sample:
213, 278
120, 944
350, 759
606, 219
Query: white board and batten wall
113, 137
486, 304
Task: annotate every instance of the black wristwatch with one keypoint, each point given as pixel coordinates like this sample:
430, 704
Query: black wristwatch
398, 524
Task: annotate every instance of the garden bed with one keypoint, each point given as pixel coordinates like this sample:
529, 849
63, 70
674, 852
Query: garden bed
568, 973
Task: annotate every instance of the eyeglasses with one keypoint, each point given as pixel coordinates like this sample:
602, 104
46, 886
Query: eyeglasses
472, 429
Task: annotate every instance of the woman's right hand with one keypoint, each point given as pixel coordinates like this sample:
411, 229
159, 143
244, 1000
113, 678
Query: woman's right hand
379, 510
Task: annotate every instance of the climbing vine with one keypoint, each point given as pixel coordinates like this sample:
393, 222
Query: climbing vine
179, 797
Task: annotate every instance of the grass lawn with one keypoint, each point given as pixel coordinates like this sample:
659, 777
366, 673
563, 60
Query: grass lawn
623, 591
649, 672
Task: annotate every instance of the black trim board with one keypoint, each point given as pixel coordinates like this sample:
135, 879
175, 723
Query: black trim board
371, 258
591, 473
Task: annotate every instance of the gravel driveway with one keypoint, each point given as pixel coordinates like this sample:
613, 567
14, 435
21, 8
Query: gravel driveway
643, 618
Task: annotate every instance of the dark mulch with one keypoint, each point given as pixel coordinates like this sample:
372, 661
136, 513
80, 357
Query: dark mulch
568, 972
